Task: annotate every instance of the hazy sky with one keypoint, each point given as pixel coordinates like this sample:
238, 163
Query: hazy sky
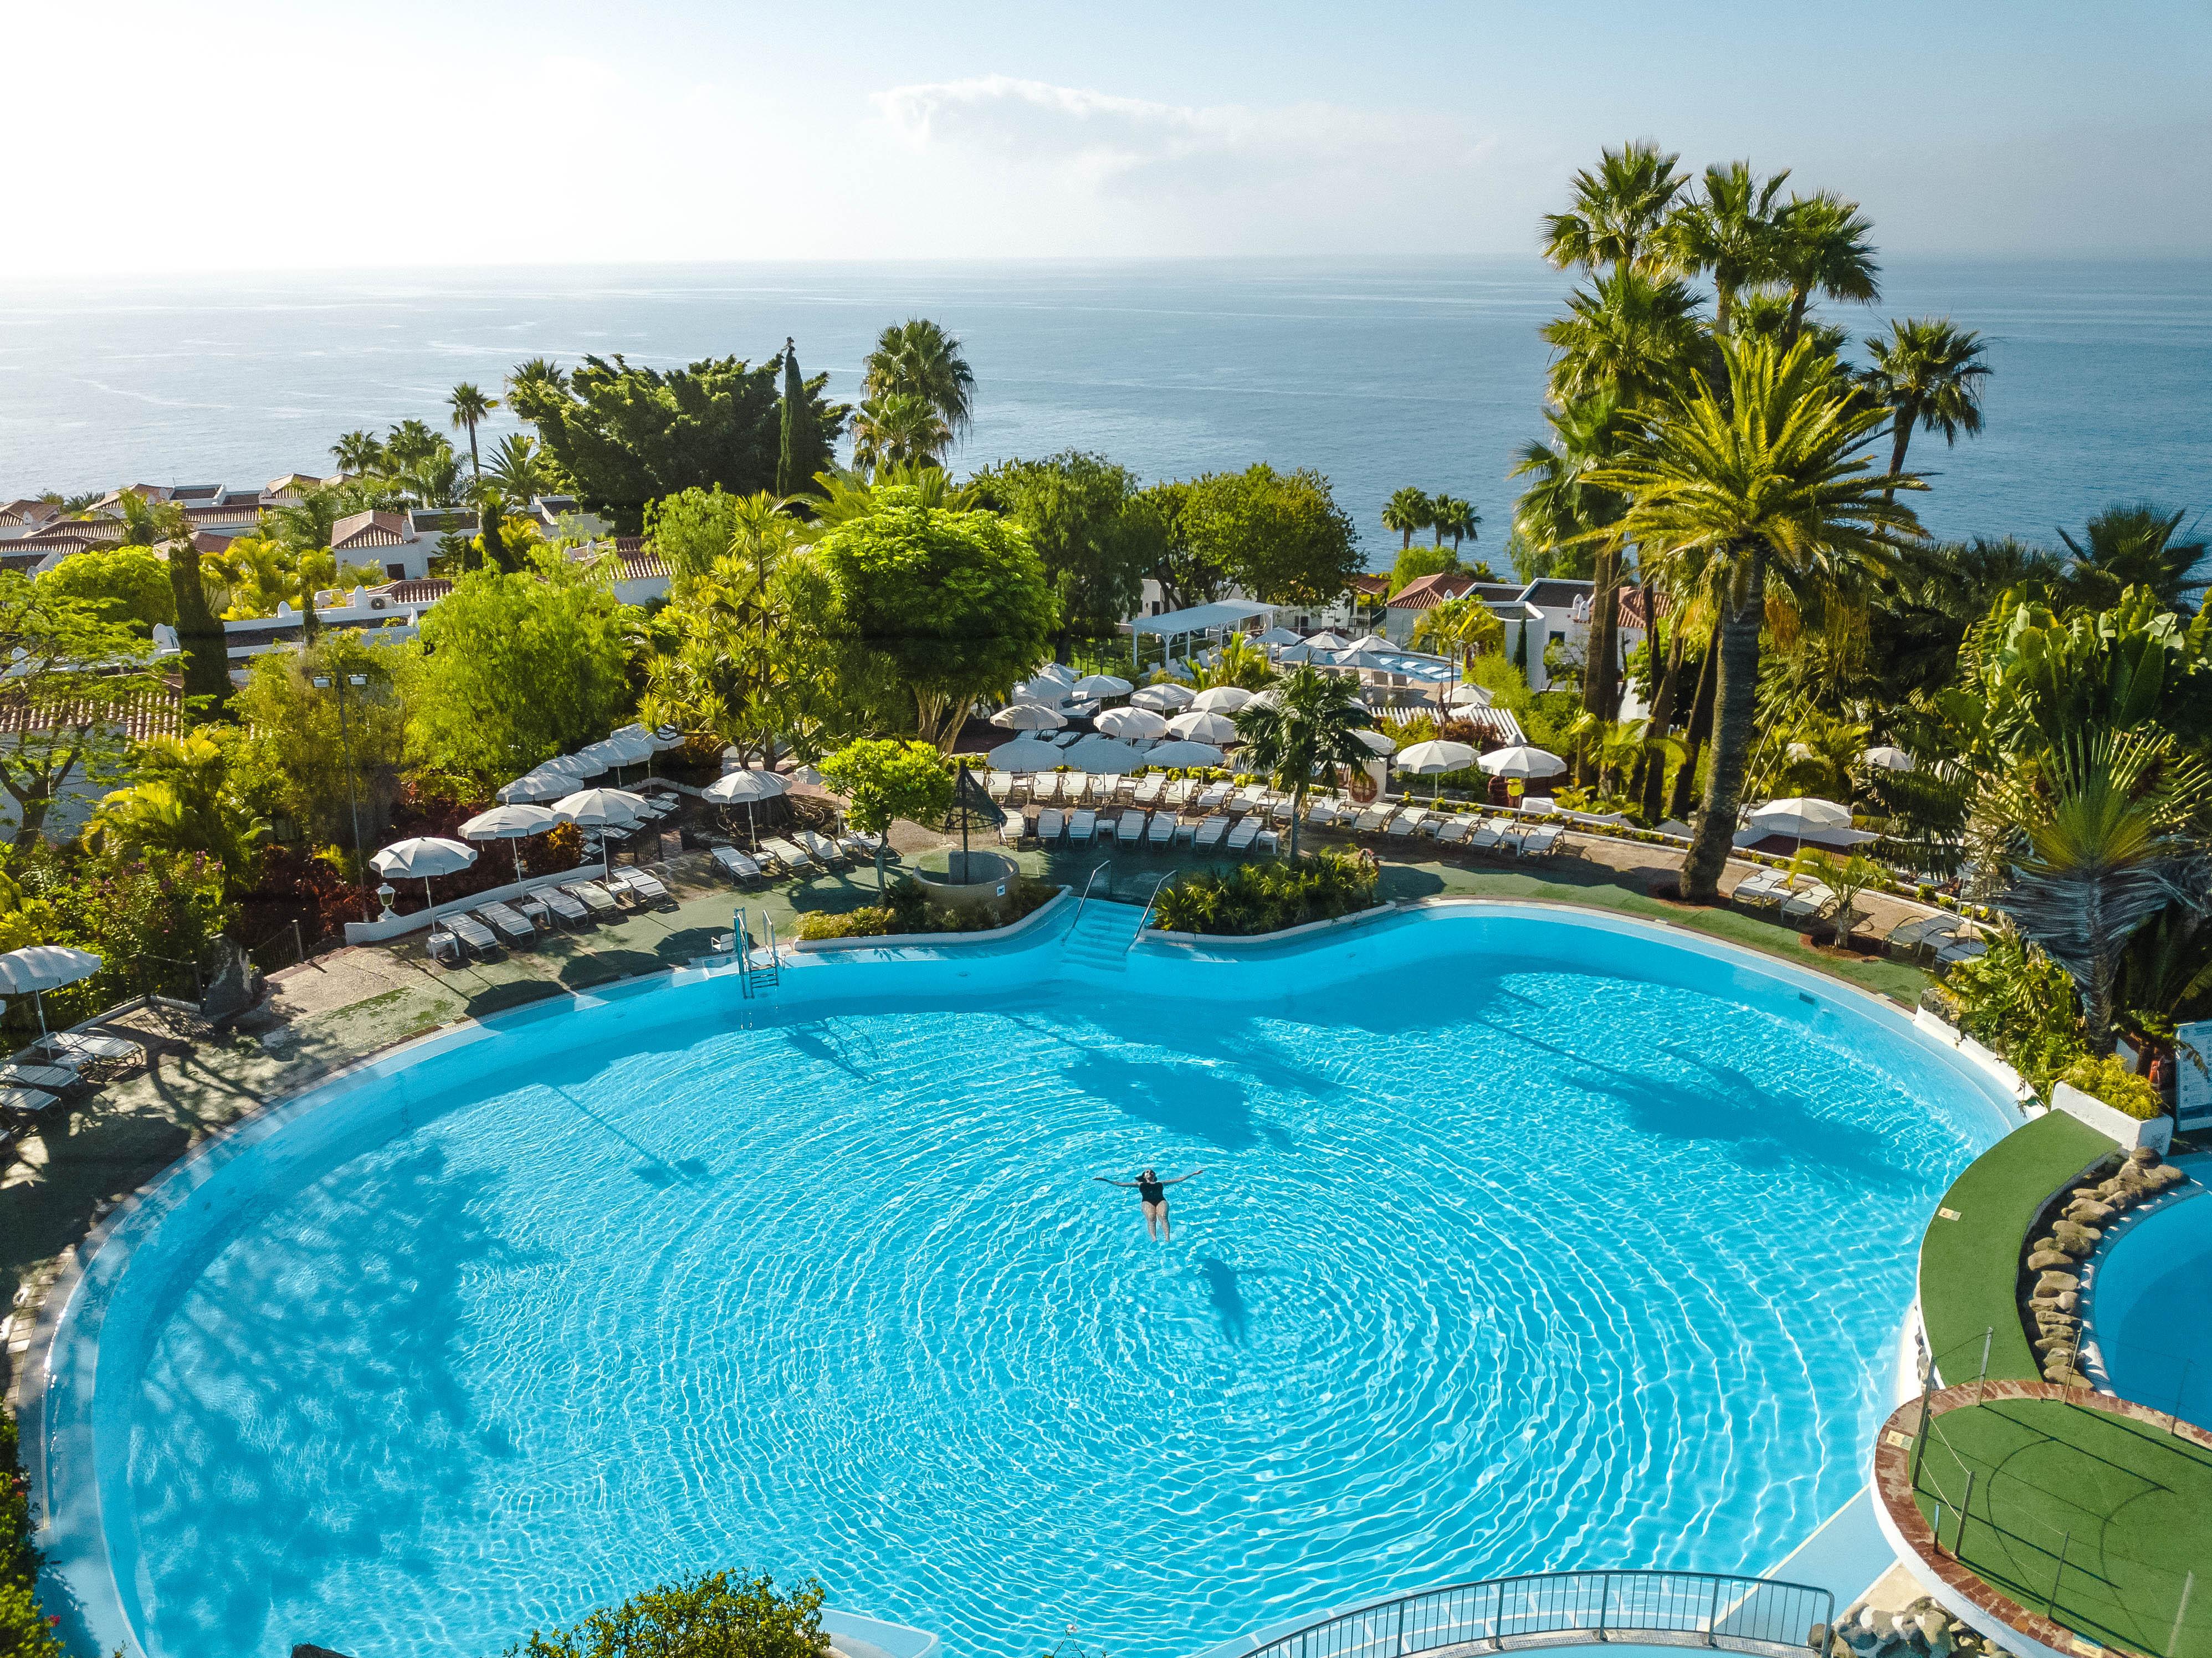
246, 134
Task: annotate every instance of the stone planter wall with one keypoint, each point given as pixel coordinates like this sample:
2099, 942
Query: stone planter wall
2066, 1235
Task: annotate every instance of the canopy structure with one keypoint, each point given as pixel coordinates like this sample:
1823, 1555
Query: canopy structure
1102, 756
1028, 717
515, 822
1198, 622
424, 860
1435, 758
1279, 637
1132, 722
744, 785
1201, 726
572, 765
1887, 758
1376, 742
972, 808
1523, 761
1101, 684
1183, 754
535, 786
1223, 699
1803, 817
603, 808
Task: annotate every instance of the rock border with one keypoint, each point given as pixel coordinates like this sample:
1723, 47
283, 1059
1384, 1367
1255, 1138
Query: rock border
2067, 1232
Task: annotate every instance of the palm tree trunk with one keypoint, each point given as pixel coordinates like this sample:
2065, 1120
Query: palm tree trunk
476, 467
1651, 766
1736, 708
1696, 728
1798, 295
1602, 668
1298, 810
1900, 433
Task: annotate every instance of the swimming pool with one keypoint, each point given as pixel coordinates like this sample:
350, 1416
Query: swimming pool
2162, 1261
1525, 1238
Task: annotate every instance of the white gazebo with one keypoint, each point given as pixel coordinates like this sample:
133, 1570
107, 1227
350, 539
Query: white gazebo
1206, 624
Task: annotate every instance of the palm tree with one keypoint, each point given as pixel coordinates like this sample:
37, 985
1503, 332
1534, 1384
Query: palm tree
1825, 244
1461, 628
1563, 505
918, 359
2134, 546
471, 406
1729, 232
1631, 335
1407, 510
410, 442
518, 468
2097, 838
899, 428
1618, 211
1311, 720
1926, 373
1450, 516
538, 371
1765, 487
358, 452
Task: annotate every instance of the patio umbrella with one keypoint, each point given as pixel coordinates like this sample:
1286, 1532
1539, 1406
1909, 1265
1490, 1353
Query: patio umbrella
1028, 717
1435, 758
1521, 760
1058, 670
1223, 699
1102, 756
1050, 692
512, 823
1890, 759
422, 860
1803, 815
618, 752
36, 969
603, 810
1163, 699
659, 739
1371, 642
1101, 684
1265, 700
972, 808
1183, 754
1132, 722
536, 786
572, 765
1325, 640
1468, 696
747, 785
1201, 726
1377, 741
1278, 636
1024, 753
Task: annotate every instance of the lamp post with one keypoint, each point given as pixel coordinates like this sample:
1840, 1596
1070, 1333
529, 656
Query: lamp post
323, 682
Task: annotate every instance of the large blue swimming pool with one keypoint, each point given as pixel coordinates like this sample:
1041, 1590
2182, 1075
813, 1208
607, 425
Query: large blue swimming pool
1522, 1242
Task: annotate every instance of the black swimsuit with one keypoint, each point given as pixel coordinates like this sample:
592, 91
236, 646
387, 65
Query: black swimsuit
1152, 1190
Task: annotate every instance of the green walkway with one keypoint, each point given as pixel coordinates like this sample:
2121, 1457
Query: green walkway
2092, 1519
1969, 1258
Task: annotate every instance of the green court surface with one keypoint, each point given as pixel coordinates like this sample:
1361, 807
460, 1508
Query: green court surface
2089, 1519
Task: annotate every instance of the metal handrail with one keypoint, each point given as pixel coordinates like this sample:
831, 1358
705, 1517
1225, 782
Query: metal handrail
1087, 885
774, 957
1758, 1615
1144, 914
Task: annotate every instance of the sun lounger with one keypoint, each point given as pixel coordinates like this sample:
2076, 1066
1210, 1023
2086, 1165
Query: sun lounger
74, 1047
1105, 786
826, 851
1180, 790
1000, 784
510, 927
1923, 931
1016, 827
1161, 830
1762, 887
1212, 797
1961, 949
476, 938
1150, 789
1321, 814
1543, 841
1047, 787
735, 865
1453, 831
1406, 824
1131, 829
590, 894
792, 856
1485, 835
643, 889
1082, 827
1048, 826
1207, 835
31, 1101
53, 1078
1540, 804
1374, 817
1246, 831
1808, 905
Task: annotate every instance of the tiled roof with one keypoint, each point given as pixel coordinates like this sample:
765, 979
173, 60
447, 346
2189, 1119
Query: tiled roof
368, 530
27, 563
225, 512
437, 520
427, 591
28, 512
1555, 592
154, 714
1431, 590
640, 566
206, 540
1632, 601
1375, 586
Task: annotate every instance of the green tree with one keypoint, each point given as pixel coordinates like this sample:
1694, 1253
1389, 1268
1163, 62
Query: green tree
182, 800
1730, 231
1633, 337
1082, 514
519, 469
798, 455
1454, 518
716, 1615
1926, 373
358, 452
1823, 246
950, 606
472, 408
626, 436
692, 528
1463, 628
1618, 212
1190, 572
1281, 536
516, 668
886, 780
1313, 719
1414, 563
118, 584
1407, 510
199, 636
320, 760
1766, 492
918, 359
2136, 546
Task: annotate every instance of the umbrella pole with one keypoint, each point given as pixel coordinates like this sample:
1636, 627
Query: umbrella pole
517, 859
427, 904
40, 1002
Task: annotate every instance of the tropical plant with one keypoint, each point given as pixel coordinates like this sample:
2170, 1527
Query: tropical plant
918, 359
470, 409
1926, 373
1763, 497
1238, 663
884, 780
182, 800
331, 751
2104, 1077
1823, 246
1459, 628
358, 452
1618, 211
2016, 1000
1450, 516
1730, 231
519, 469
120, 584
898, 429
1846, 877
1407, 510
718, 1614
1310, 720
1414, 563
1268, 897
2136, 546
1633, 337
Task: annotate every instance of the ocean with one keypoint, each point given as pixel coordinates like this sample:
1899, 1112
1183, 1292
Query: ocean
1379, 374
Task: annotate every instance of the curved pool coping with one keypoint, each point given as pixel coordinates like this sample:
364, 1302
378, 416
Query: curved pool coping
67, 1333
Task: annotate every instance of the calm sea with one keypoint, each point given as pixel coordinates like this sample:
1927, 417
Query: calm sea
1427, 372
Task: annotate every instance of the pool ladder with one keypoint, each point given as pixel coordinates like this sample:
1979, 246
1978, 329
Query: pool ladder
760, 977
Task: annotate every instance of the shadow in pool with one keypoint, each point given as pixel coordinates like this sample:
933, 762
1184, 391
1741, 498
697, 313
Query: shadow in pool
1183, 1099
1223, 1284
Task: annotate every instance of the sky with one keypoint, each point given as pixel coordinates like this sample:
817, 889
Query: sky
242, 134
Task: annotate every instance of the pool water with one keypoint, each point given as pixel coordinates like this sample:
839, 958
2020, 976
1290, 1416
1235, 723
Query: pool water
1499, 1260
2162, 1261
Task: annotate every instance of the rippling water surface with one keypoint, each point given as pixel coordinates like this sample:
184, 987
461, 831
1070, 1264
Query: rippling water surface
1487, 1269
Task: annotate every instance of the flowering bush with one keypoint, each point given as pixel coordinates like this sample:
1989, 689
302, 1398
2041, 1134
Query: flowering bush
1269, 896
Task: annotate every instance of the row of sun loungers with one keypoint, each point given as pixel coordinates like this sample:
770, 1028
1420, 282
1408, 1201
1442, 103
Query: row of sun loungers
803, 852
460, 935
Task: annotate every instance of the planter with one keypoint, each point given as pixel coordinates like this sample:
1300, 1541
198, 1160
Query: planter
2115, 1124
983, 877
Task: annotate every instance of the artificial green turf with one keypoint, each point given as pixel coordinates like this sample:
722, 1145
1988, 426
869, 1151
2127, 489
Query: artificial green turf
2130, 1505
1970, 1266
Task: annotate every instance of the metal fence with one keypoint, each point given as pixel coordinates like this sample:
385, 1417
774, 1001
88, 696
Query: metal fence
1735, 1614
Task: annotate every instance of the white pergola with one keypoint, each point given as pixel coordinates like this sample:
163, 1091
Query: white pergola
1200, 622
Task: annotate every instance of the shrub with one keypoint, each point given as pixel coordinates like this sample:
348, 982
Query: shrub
25, 1631
1269, 896
2018, 1001
2110, 1081
714, 1615
869, 922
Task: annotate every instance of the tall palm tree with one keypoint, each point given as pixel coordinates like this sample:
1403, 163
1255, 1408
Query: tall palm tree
917, 358
470, 407
1407, 510
1927, 371
1450, 516
1728, 231
1617, 210
899, 428
538, 371
1563, 505
1461, 628
1633, 335
2134, 546
518, 468
1824, 246
1765, 487
358, 452
1312, 720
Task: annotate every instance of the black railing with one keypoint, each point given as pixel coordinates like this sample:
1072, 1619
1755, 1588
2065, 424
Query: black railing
1498, 1614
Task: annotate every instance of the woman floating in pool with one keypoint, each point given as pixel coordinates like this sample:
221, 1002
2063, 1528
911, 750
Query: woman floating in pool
1152, 1193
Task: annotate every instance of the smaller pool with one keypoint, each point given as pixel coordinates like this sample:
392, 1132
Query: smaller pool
2152, 1289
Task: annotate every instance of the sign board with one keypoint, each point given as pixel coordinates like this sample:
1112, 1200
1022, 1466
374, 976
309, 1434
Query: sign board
2192, 1072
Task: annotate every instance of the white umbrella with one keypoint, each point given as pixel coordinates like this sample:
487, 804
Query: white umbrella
36, 969
1371, 642
619, 751
423, 859
1890, 759
512, 823
1521, 760
536, 786
1325, 640
1278, 636
1058, 670
1101, 684
1103, 756
1435, 757
659, 739
1184, 755
1050, 692
1223, 699
1028, 717
572, 765
747, 785
603, 810
1806, 816
1025, 754
1200, 725
1265, 700
1468, 696
1377, 741
1164, 699
1132, 722
807, 775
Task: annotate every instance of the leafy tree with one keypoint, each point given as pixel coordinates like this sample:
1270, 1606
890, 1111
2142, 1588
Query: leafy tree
504, 541
314, 760
950, 607
1190, 570
1083, 515
472, 408
799, 453
918, 359
625, 436
1928, 373
1414, 563
1730, 231
118, 584
1280, 536
886, 780
716, 1615
1239, 663
358, 452
1407, 510
199, 636
1618, 212
519, 468
184, 800
2134, 546
517, 667
1766, 492
1311, 720
692, 528
76, 683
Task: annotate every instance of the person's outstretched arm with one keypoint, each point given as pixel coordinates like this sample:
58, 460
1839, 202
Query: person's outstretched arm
1105, 1180
1180, 1179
